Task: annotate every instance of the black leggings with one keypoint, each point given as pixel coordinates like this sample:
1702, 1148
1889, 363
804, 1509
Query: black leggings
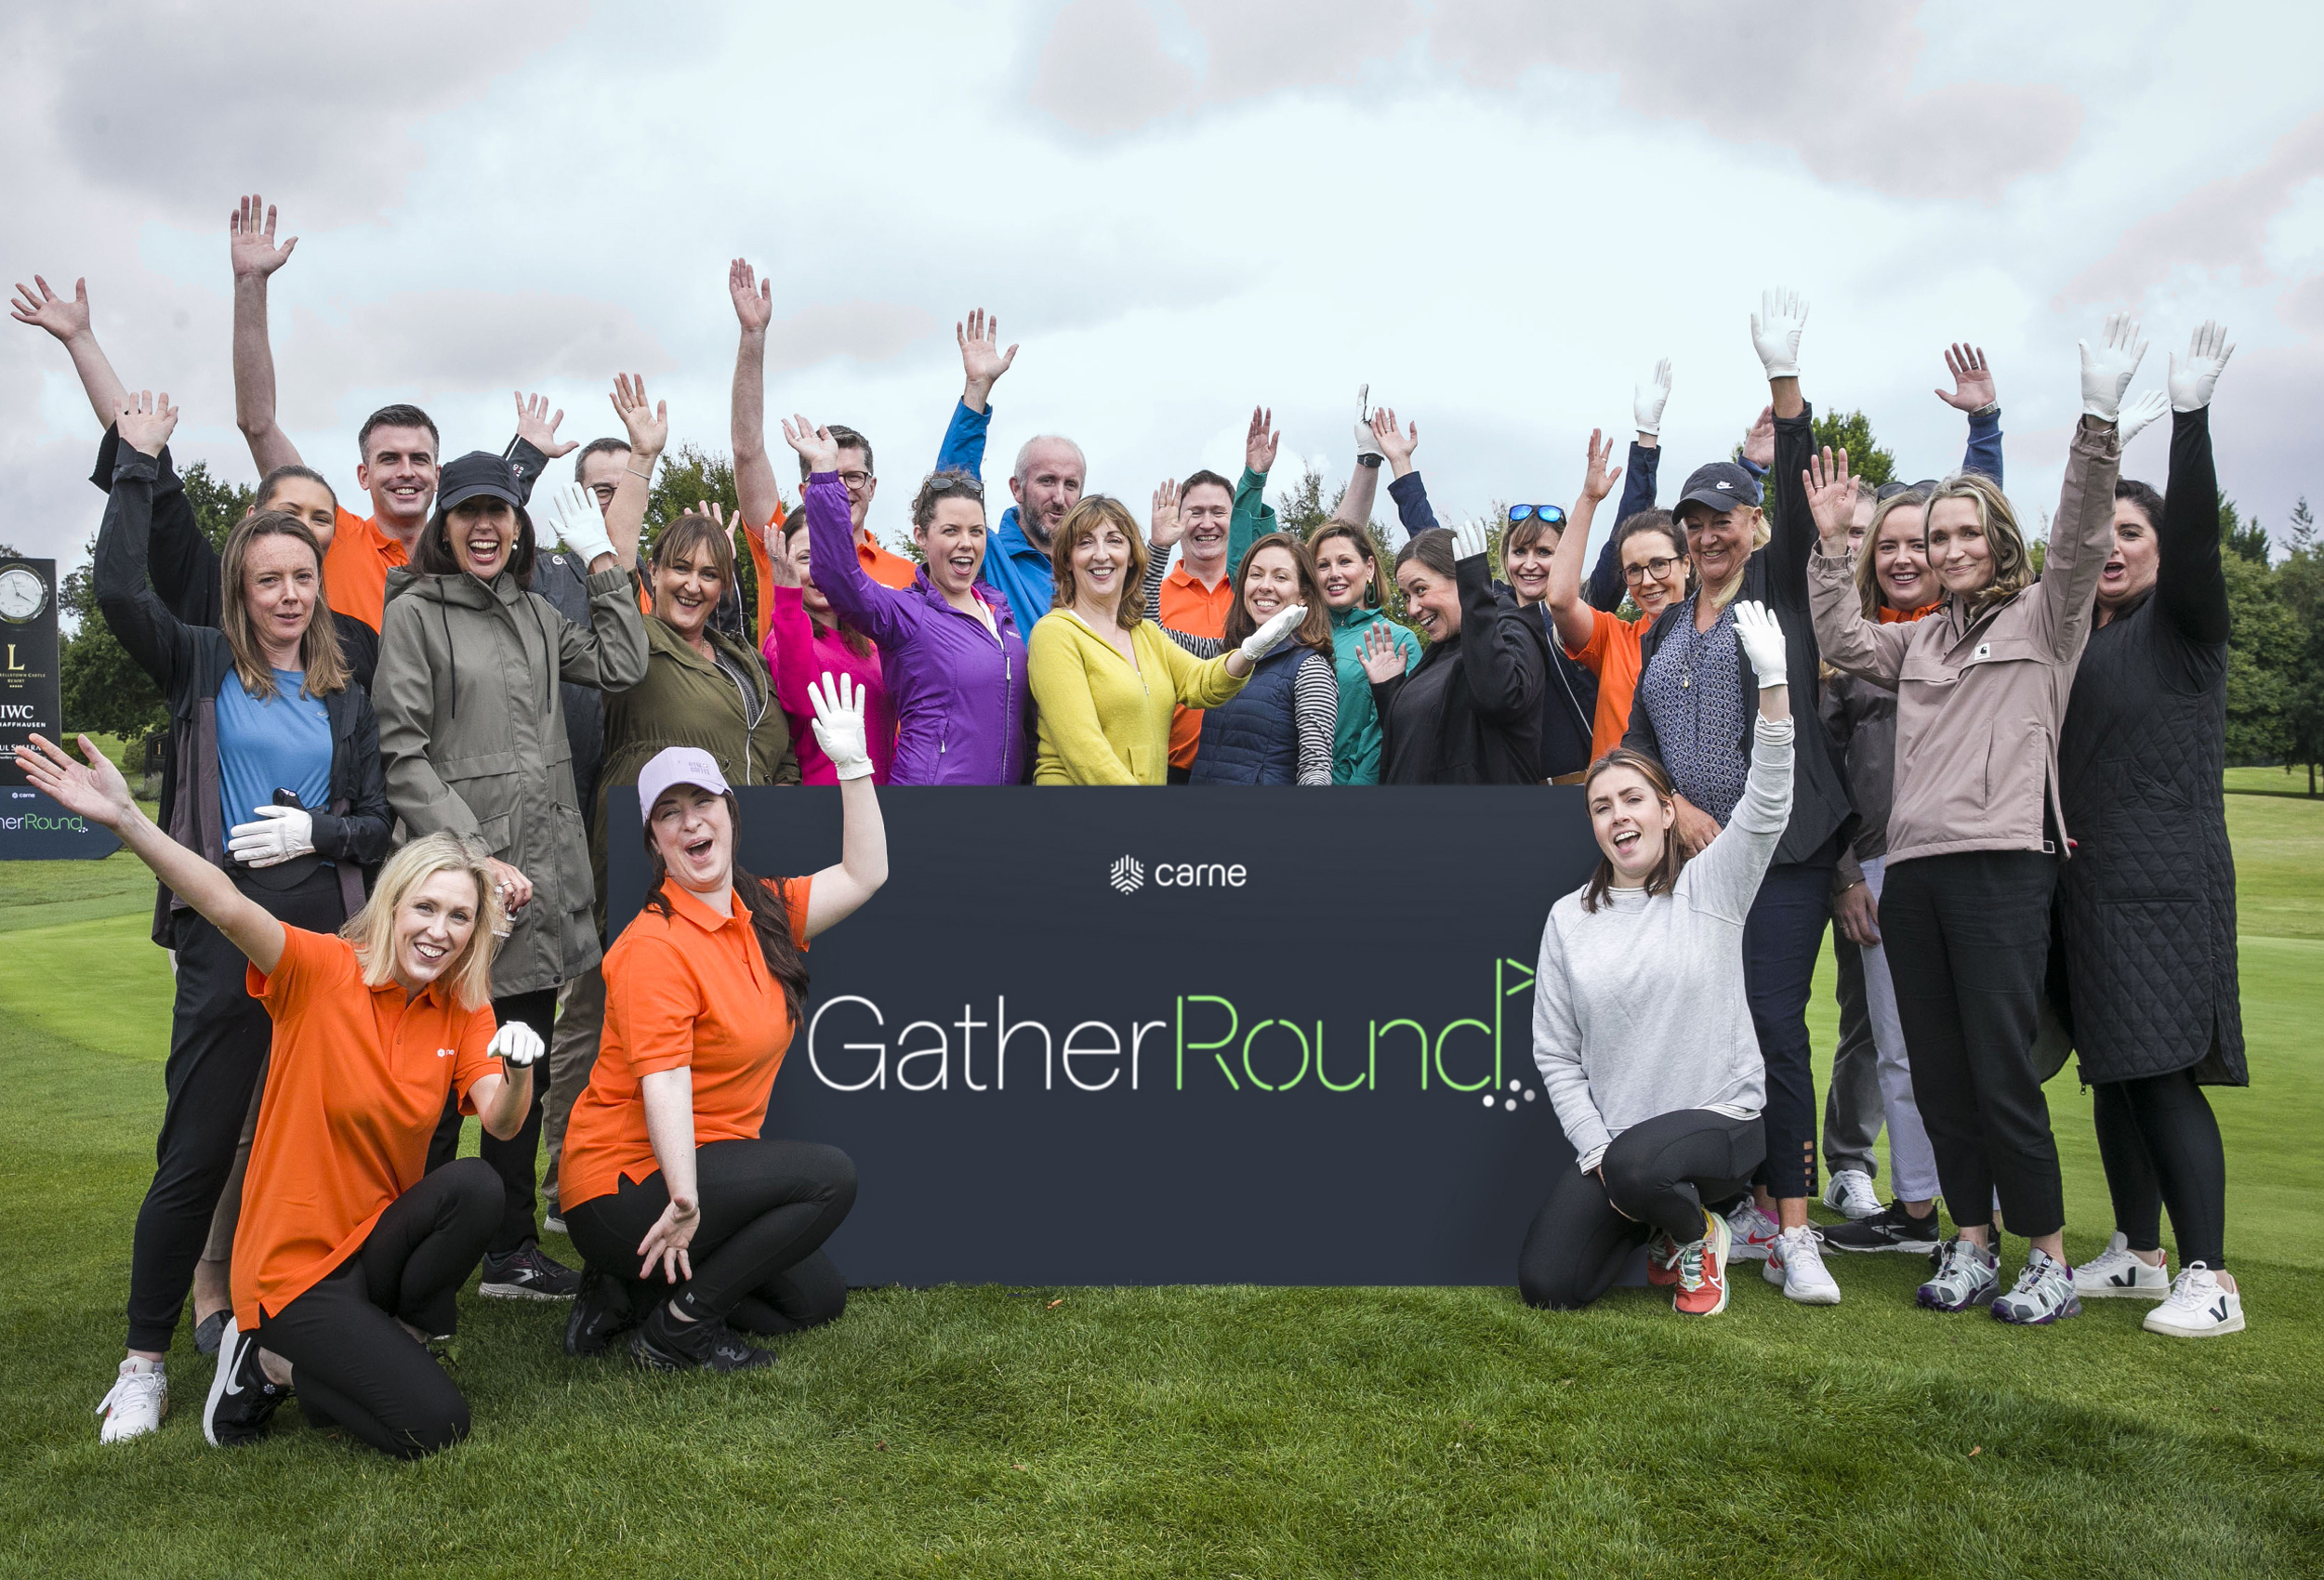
1968, 943
1658, 1175
353, 1362
218, 1038
514, 1159
767, 1207
2159, 1142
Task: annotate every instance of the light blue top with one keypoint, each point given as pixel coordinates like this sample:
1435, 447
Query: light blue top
281, 743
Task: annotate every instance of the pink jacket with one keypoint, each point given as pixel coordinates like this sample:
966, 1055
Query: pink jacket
1979, 702
798, 654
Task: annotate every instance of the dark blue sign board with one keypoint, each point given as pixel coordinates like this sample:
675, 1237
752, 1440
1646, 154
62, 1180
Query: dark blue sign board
33, 827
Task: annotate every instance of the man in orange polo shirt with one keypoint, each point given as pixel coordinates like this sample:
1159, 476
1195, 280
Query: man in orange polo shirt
1198, 592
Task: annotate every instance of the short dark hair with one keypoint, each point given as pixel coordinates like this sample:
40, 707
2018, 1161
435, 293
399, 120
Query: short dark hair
432, 556
2142, 494
1205, 480
396, 416
279, 475
842, 439
605, 446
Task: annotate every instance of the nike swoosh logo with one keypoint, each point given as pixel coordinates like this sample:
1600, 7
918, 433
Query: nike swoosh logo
233, 1382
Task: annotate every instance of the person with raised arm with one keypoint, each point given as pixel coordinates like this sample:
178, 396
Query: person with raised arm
669, 1178
957, 673
350, 1253
805, 639
1469, 713
281, 792
1569, 697
1976, 830
1643, 1028
2151, 986
1045, 481
471, 726
1354, 589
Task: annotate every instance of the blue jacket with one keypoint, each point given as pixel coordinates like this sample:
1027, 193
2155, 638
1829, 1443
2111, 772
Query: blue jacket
1253, 737
1014, 566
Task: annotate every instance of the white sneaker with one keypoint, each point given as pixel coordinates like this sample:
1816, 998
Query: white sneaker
2117, 1270
1752, 1234
139, 1398
1797, 1263
1849, 1193
2199, 1307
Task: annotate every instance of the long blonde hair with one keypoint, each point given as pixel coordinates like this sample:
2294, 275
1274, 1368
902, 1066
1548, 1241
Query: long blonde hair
1867, 578
318, 649
2012, 566
468, 976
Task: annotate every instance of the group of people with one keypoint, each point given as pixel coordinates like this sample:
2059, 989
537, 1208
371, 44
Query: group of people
393, 741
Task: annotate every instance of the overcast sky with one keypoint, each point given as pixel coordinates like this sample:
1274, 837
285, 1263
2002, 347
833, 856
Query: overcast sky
1498, 213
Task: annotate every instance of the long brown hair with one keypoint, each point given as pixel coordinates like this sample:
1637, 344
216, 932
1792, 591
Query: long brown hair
1083, 520
1869, 593
2005, 541
855, 641
1666, 874
770, 918
1314, 632
318, 648
1374, 591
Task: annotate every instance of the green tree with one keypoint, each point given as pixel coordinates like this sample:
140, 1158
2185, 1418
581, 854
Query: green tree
2247, 540
1852, 432
2299, 587
217, 506
2264, 649
104, 690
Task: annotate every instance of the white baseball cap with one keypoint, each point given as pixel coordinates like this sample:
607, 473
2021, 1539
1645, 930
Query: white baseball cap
677, 765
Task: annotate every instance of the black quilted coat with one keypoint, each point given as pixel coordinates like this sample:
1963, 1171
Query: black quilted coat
2149, 899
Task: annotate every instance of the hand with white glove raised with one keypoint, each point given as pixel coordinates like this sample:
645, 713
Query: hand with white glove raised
580, 525
279, 834
1647, 400
2107, 372
1367, 451
1470, 541
839, 704
2192, 381
516, 1045
1273, 634
1761, 635
1776, 332
2137, 414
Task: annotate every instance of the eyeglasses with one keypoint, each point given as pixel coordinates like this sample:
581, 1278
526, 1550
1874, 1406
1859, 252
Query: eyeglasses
855, 480
1548, 515
1891, 490
1650, 570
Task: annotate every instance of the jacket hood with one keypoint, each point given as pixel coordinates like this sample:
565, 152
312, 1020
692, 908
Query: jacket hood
461, 590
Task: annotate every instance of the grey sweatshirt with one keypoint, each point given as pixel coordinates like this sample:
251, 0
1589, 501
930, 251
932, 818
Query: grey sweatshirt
1638, 1008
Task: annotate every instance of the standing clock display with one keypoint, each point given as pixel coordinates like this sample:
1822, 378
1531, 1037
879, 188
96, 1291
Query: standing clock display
32, 826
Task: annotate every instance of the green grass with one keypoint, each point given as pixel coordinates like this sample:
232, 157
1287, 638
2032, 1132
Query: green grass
1229, 1431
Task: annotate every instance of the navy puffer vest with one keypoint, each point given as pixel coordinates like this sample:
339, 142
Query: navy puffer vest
1253, 737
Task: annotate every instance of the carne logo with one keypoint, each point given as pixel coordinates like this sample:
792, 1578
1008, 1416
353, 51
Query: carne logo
1128, 877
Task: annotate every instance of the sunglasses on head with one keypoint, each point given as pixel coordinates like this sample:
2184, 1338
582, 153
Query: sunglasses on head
1548, 515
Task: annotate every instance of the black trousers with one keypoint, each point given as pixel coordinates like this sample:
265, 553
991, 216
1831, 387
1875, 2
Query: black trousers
767, 1207
513, 1159
353, 1362
1660, 1173
1968, 943
218, 1038
2159, 1142
1782, 936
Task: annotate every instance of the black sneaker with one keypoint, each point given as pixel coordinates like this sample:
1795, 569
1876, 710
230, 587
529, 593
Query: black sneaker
528, 1273
242, 1402
206, 1332
664, 1344
599, 1312
1891, 1229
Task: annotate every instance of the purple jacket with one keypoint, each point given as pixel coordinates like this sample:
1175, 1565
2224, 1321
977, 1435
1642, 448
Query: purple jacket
961, 697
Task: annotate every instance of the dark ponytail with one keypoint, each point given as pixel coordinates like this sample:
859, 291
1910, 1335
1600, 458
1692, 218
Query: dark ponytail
770, 915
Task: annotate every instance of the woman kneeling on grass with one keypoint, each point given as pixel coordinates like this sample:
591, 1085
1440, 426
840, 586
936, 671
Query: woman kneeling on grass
349, 1255
1659, 1090
664, 1161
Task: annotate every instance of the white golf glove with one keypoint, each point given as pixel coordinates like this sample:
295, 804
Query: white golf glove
2192, 381
1776, 332
516, 1045
1469, 539
2107, 370
1273, 634
280, 834
580, 525
2138, 414
1761, 636
1647, 400
1367, 441
839, 704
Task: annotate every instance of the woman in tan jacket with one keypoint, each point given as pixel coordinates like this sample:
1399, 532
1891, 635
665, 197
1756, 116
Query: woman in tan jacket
1976, 832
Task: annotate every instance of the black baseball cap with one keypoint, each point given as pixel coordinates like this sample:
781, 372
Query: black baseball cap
479, 475
1721, 486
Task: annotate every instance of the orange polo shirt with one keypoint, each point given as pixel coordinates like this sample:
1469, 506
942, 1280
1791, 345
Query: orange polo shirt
887, 570
1612, 655
354, 1091
355, 568
1188, 606
689, 991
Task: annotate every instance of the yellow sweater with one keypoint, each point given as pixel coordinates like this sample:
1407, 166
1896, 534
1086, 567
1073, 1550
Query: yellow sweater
1102, 723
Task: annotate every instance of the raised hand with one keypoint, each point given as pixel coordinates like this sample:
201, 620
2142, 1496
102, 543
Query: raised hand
1261, 444
1470, 541
1758, 440
144, 423
2107, 372
1273, 634
2191, 381
1163, 527
1832, 499
839, 723
94, 790
1648, 399
753, 299
1394, 444
2136, 414
580, 524
538, 426
1381, 658
1972, 381
1366, 445
814, 444
1776, 332
981, 360
1596, 481
1759, 634
46, 309
250, 240
648, 425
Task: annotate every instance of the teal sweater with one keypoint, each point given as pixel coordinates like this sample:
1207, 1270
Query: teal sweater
1356, 738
